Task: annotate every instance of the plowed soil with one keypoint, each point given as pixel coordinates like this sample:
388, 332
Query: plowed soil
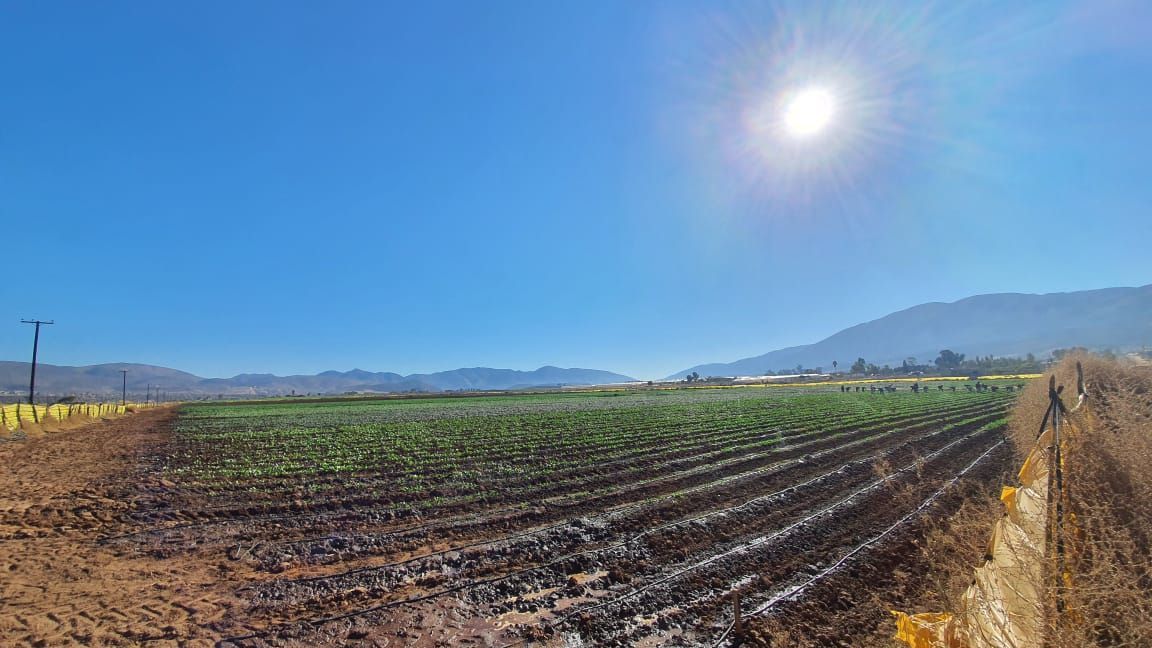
99, 548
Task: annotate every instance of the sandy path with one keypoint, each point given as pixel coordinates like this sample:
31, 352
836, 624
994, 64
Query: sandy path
59, 494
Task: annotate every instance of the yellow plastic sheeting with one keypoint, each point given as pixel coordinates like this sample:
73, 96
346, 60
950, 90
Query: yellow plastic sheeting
11, 416
923, 630
1003, 607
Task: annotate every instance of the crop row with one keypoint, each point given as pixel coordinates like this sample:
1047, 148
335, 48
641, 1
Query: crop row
260, 447
613, 577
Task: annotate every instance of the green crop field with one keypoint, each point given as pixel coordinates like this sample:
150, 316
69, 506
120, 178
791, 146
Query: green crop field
534, 508
463, 443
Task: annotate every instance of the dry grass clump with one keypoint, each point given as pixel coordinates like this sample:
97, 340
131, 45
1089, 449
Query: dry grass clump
954, 545
1107, 600
1108, 474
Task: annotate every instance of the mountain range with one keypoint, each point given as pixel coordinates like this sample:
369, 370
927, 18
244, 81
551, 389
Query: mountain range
1001, 324
105, 379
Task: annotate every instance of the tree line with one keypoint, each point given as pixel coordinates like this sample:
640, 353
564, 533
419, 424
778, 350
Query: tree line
947, 363
951, 363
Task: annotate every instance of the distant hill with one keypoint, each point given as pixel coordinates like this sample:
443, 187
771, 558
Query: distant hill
105, 379
1002, 324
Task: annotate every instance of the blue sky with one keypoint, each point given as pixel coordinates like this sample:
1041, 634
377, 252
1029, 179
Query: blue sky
293, 187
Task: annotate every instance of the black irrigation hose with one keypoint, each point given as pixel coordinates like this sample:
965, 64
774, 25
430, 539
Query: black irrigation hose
792, 592
918, 417
474, 583
764, 540
637, 505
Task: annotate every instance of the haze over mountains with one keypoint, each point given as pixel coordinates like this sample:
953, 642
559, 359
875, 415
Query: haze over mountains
106, 379
1004, 324
1001, 324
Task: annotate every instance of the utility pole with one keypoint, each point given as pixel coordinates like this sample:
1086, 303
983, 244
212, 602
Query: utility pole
124, 387
35, 346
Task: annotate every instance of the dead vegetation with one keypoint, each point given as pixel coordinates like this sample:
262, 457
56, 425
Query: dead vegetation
1106, 600
1109, 474
1107, 597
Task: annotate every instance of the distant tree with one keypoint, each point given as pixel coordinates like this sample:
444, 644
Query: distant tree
688, 378
859, 366
949, 359
872, 369
1060, 353
799, 368
834, 365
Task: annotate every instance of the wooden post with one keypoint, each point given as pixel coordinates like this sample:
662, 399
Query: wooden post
1058, 463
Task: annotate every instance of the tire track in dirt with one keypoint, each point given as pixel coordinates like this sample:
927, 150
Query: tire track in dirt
58, 495
488, 577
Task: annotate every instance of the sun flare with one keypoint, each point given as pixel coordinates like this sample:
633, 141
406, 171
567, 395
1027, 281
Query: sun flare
808, 112
811, 108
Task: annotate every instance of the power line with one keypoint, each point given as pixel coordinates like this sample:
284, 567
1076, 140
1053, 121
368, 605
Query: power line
35, 346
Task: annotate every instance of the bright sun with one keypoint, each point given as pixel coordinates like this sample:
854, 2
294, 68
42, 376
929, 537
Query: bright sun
808, 112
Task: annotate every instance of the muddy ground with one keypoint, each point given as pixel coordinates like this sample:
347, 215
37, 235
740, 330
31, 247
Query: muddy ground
99, 548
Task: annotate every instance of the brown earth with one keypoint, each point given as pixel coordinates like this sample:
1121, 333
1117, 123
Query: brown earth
98, 549
60, 493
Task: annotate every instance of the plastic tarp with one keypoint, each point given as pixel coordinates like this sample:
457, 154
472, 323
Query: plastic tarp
12, 416
1003, 607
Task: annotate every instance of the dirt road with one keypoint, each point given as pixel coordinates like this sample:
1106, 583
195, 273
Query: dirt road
60, 495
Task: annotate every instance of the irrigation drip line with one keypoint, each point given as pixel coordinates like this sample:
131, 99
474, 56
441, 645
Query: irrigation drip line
639, 505
794, 591
561, 621
908, 423
769, 538
766, 539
